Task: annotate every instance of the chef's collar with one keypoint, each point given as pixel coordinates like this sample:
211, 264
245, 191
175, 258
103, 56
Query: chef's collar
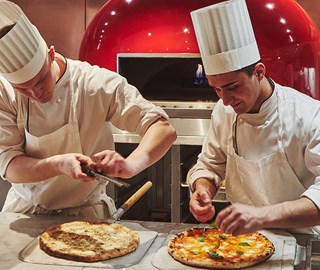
267, 109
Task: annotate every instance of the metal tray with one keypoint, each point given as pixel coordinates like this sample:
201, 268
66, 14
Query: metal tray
282, 259
33, 254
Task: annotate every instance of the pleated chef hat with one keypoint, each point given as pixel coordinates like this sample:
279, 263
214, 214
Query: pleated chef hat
225, 37
22, 50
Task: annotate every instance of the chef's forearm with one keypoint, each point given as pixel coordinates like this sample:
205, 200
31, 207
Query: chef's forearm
299, 213
155, 143
23, 169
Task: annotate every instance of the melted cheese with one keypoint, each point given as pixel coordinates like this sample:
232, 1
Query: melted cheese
89, 239
213, 244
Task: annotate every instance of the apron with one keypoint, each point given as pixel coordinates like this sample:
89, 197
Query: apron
61, 194
267, 181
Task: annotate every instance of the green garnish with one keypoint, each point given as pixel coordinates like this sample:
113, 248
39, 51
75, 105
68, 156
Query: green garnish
218, 244
222, 236
239, 252
196, 252
213, 225
244, 244
215, 255
201, 239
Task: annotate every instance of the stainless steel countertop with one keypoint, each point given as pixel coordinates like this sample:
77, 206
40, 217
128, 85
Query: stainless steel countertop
18, 230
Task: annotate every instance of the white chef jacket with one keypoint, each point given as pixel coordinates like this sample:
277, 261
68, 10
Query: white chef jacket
101, 97
257, 135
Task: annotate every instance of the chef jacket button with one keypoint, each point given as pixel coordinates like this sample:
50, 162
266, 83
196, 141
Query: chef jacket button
59, 100
241, 120
32, 101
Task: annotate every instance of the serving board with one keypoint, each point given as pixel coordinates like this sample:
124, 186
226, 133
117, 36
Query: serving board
33, 254
282, 259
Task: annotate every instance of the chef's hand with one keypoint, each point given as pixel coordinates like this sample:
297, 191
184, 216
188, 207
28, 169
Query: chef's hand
200, 204
111, 163
69, 164
240, 219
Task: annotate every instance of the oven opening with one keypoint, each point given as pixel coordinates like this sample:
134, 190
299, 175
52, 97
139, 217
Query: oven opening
167, 77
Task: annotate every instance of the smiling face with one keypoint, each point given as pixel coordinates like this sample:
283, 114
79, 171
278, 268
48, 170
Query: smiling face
41, 87
244, 93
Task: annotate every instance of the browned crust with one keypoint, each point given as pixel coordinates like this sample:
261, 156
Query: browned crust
218, 263
48, 240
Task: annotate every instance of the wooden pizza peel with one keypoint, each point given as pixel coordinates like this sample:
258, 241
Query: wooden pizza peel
128, 203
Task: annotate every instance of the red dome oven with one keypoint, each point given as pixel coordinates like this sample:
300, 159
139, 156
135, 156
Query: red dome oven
288, 40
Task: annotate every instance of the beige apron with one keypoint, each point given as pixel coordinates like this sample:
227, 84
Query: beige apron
267, 181
61, 194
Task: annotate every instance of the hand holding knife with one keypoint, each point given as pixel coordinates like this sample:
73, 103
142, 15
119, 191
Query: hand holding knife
102, 178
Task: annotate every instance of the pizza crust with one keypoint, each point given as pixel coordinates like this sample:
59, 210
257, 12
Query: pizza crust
211, 248
88, 241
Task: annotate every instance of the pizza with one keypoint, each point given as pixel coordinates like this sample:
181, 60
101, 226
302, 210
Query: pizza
211, 248
88, 241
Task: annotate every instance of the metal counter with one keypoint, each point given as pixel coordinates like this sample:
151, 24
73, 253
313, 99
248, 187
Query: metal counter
308, 252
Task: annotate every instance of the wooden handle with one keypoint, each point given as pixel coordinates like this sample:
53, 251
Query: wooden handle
136, 196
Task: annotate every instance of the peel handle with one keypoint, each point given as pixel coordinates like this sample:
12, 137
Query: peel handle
136, 196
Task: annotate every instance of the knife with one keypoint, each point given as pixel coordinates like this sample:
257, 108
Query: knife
102, 178
131, 201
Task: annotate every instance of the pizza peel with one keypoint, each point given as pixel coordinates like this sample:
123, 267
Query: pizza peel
128, 203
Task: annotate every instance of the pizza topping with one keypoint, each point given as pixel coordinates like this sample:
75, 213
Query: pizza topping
222, 236
215, 255
201, 239
88, 241
209, 247
244, 244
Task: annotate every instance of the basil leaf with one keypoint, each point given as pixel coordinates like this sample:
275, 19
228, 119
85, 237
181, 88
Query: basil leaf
213, 225
218, 244
201, 239
239, 252
246, 244
222, 236
215, 255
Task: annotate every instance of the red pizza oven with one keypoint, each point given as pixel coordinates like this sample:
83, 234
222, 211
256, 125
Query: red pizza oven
288, 40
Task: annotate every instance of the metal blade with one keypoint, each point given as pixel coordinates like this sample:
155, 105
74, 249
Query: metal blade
102, 178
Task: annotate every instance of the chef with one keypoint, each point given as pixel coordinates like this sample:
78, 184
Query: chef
55, 114
263, 140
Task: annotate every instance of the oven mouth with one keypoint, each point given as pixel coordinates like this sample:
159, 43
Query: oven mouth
172, 81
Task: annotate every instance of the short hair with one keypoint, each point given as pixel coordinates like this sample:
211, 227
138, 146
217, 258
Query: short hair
5, 30
249, 69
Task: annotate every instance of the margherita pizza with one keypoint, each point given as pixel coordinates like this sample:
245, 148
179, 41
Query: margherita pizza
211, 248
88, 241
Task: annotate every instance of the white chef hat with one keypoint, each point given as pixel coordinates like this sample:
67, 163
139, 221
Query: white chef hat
22, 50
225, 37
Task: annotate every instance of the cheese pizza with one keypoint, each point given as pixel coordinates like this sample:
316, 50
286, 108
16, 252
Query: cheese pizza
211, 248
88, 241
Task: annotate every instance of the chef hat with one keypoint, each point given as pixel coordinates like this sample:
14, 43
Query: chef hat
225, 37
22, 50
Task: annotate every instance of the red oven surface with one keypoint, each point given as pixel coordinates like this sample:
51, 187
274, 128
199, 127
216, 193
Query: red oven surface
288, 39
